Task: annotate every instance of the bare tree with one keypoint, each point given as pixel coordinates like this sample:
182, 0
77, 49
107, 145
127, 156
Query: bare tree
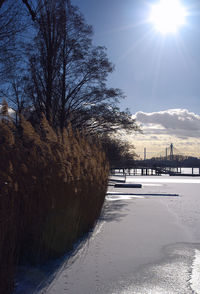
118, 152
30, 9
44, 60
27, 4
9, 28
13, 24
69, 74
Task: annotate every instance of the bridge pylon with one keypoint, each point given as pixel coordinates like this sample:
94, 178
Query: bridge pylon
171, 151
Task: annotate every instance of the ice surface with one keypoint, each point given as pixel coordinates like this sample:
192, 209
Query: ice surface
195, 276
141, 245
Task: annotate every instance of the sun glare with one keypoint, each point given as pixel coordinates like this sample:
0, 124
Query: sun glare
168, 16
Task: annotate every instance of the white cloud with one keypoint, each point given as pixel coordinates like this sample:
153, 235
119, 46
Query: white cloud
178, 122
178, 126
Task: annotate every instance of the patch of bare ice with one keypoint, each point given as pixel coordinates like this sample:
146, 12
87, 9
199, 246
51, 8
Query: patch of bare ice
195, 275
122, 197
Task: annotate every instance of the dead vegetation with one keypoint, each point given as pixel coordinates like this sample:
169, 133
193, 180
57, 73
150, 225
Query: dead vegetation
52, 188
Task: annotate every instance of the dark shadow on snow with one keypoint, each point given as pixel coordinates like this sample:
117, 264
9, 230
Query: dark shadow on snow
112, 211
35, 279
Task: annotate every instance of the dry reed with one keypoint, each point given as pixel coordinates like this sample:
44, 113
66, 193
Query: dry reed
52, 188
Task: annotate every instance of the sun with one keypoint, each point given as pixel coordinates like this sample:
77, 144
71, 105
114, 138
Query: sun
168, 16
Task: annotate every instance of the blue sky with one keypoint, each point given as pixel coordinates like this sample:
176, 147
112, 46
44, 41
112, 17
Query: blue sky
156, 72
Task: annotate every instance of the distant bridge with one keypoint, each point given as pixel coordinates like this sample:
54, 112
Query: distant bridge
154, 171
169, 153
170, 162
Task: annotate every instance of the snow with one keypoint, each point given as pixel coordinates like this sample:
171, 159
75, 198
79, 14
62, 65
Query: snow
195, 276
141, 244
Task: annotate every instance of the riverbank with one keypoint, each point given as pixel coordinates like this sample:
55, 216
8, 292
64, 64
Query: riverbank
142, 244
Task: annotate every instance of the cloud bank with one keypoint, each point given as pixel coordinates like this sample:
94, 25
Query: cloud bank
178, 122
178, 126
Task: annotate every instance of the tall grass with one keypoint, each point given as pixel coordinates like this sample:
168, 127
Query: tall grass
52, 188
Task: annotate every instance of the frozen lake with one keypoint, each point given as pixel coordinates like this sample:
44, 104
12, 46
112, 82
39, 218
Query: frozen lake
147, 243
